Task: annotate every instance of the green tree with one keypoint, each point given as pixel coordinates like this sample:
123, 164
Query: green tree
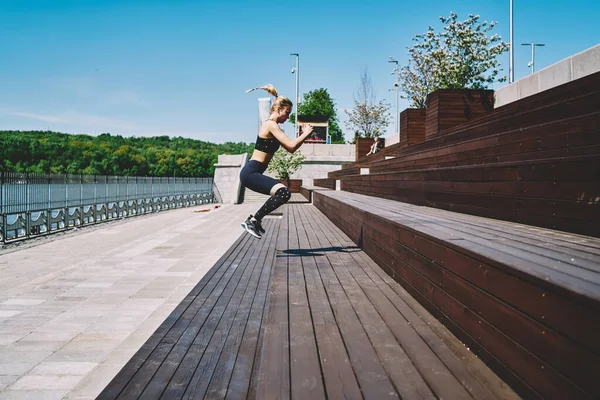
284, 164
369, 117
319, 102
460, 57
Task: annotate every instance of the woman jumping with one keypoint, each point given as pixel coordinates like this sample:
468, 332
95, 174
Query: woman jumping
270, 137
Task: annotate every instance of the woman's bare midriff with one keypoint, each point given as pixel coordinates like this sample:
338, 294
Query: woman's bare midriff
261, 156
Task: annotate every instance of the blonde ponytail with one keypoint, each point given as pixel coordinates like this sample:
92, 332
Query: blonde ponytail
268, 88
279, 103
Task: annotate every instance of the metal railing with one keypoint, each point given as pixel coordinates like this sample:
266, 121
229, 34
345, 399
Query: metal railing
33, 204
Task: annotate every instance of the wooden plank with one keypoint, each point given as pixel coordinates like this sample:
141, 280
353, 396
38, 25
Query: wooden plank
249, 348
570, 359
377, 252
253, 300
325, 183
273, 373
481, 382
371, 376
545, 380
305, 368
437, 376
407, 381
338, 375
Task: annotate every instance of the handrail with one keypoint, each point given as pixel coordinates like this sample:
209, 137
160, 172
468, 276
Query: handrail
38, 204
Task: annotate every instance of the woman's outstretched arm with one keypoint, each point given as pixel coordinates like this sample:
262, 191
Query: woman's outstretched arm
290, 145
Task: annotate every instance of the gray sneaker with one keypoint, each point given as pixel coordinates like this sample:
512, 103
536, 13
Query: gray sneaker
251, 228
259, 227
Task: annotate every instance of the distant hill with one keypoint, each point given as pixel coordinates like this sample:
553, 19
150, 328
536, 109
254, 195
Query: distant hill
61, 153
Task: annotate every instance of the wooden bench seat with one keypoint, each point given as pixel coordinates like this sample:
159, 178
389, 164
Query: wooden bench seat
354, 170
526, 300
328, 183
578, 135
306, 191
560, 193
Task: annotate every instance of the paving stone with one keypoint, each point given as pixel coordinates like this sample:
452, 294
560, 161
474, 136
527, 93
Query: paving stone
55, 336
33, 394
9, 313
84, 351
37, 345
6, 380
24, 302
10, 338
8, 355
16, 367
46, 382
63, 368
92, 385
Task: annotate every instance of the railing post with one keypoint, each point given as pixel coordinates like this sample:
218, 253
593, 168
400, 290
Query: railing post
1, 192
66, 212
2, 215
27, 209
106, 195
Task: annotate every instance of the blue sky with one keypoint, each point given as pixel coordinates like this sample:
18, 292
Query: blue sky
181, 68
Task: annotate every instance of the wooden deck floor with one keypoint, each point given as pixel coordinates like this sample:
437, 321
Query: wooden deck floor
304, 314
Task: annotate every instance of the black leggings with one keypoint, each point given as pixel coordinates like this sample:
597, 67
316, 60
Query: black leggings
252, 177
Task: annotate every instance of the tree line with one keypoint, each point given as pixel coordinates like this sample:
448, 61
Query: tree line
60, 153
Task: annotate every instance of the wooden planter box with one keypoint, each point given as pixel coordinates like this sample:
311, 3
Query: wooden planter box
412, 126
449, 107
294, 186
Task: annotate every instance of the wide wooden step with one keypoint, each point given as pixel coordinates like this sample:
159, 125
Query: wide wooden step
526, 300
559, 193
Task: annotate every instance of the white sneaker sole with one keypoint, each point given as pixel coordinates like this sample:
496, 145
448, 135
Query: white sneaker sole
250, 231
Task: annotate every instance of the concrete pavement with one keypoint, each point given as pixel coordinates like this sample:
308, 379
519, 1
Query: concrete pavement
75, 309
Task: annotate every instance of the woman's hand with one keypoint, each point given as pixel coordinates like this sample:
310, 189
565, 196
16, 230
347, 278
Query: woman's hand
307, 129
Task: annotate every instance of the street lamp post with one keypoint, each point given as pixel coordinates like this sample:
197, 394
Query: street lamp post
511, 63
532, 62
297, 72
396, 88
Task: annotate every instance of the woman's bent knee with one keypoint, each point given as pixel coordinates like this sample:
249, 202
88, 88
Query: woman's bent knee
275, 188
283, 194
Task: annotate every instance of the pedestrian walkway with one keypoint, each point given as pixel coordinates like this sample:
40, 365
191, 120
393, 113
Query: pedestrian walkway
74, 309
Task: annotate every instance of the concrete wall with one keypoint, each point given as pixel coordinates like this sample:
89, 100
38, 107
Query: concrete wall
227, 176
321, 159
569, 69
392, 139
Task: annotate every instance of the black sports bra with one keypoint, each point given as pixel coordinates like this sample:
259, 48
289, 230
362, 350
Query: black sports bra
269, 146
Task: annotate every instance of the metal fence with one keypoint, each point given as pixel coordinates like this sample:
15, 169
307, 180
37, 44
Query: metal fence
34, 204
